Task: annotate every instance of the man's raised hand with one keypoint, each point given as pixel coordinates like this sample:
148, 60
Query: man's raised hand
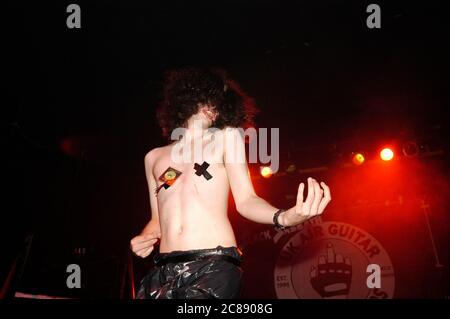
315, 203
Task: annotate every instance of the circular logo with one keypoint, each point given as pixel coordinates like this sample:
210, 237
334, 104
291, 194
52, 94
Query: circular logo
333, 260
170, 175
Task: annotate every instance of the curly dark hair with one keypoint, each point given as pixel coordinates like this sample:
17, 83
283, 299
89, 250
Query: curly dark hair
184, 89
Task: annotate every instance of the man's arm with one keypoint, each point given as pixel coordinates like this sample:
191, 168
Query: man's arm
142, 245
248, 204
153, 224
253, 207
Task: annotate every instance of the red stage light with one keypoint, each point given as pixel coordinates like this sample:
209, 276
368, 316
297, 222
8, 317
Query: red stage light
358, 159
71, 146
386, 154
266, 171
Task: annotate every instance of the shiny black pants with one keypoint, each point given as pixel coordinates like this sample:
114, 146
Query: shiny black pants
194, 274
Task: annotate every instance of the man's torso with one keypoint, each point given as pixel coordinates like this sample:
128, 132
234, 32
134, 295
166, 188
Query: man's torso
193, 210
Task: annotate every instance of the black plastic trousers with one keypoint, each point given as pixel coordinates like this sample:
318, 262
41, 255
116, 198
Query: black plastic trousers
194, 274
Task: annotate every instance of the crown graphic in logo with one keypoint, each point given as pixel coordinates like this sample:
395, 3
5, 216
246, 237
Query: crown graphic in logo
333, 275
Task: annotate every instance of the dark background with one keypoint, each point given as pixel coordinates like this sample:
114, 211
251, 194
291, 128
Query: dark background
78, 116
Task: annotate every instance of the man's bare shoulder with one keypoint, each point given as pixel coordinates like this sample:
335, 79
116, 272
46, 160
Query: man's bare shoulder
230, 130
234, 143
232, 133
154, 154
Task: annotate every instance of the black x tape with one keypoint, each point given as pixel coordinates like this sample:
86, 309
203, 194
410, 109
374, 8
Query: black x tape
201, 170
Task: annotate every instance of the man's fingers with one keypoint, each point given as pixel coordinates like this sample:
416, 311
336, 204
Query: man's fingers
326, 189
143, 245
146, 243
309, 199
318, 194
152, 235
144, 238
144, 252
300, 191
326, 198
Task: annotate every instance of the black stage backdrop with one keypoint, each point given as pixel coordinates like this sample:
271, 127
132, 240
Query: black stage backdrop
78, 116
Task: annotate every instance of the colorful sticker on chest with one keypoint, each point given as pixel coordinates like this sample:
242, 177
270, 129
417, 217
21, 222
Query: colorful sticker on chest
169, 177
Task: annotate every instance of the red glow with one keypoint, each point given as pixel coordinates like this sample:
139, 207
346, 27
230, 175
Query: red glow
358, 159
266, 172
71, 146
387, 154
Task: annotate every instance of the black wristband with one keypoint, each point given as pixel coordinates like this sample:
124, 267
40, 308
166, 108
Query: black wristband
278, 226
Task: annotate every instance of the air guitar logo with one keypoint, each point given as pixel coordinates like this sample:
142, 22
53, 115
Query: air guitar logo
333, 260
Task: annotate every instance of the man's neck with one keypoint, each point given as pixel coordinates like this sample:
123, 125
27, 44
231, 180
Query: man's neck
196, 128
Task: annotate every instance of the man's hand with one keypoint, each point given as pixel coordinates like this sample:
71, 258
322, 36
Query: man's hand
142, 245
314, 205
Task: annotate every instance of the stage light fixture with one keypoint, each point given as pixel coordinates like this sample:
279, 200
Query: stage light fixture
410, 149
358, 159
266, 171
386, 154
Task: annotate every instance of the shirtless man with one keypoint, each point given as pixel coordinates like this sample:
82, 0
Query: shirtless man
198, 255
